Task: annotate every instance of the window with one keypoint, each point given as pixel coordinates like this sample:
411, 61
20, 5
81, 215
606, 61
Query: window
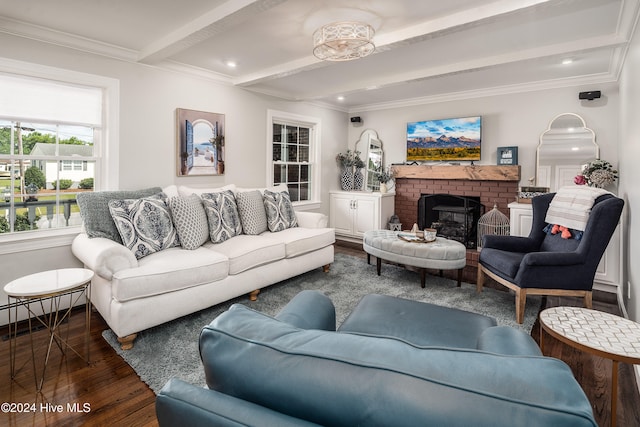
52, 146
293, 146
73, 165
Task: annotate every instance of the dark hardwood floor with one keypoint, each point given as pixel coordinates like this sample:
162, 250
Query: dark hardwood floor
112, 394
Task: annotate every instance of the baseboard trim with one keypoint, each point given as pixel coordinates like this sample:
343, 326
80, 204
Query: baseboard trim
606, 287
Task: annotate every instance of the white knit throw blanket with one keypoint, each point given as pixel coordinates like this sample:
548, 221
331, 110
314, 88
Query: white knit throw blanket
571, 206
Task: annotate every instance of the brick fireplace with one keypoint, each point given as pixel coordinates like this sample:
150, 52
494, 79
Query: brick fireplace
491, 184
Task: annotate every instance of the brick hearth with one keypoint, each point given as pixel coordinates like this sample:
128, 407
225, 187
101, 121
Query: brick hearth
500, 191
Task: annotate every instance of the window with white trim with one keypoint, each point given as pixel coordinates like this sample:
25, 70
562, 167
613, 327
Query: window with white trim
293, 148
50, 138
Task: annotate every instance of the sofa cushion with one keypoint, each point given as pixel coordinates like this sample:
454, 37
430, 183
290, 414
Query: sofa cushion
245, 252
299, 241
252, 212
171, 191
145, 225
279, 209
183, 190
94, 210
222, 214
346, 380
274, 188
190, 220
170, 270
507, 263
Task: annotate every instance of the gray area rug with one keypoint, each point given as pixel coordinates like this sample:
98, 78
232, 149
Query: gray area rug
171, 350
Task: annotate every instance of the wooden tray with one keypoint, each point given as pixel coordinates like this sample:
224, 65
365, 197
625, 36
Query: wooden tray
412, 238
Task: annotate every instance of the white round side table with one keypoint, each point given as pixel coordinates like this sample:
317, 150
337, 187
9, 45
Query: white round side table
36, 289
603, 334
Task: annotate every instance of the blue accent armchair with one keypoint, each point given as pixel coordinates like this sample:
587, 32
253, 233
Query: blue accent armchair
545, 263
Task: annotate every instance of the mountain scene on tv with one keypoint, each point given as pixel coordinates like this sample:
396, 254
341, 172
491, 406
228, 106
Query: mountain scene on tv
444, 140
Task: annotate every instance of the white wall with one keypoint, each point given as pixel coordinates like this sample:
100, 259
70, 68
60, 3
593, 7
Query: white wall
629, 148
507, 120
148, 99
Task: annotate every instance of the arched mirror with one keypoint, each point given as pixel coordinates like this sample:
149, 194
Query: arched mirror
371, 152
564, 147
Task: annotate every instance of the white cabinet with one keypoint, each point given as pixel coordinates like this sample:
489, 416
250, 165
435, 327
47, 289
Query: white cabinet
520, 218
609, 273
351, 213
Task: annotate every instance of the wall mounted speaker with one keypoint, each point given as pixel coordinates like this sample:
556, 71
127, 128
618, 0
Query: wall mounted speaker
356, 119
594, 94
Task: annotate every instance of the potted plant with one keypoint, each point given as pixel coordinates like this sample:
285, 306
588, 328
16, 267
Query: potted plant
347, 161
384, 176
218, 145
598, 173
358, 177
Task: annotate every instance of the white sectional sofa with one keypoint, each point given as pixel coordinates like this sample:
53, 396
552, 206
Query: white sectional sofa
135, 294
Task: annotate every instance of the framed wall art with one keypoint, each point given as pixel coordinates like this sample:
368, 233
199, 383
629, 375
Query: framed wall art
200, 143
507, 156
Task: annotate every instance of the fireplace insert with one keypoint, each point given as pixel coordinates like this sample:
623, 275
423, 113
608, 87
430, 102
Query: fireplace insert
454, 217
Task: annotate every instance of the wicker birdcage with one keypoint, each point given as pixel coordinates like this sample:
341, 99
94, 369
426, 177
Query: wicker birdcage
493, 222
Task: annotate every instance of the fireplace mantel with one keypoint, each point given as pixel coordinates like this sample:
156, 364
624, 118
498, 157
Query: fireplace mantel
467, 172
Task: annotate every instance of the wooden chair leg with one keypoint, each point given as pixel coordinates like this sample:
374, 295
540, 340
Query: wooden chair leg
460, 277
326, 268
423, 277
253, 296
378, 265
480, 279
521, 299
588, 299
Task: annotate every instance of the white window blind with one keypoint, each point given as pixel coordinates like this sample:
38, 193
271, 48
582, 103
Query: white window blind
49, 101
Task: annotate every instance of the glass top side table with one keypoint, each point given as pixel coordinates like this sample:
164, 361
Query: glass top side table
36, 289
595, 332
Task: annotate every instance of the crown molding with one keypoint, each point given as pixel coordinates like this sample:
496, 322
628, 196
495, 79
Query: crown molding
486, 92
59, 38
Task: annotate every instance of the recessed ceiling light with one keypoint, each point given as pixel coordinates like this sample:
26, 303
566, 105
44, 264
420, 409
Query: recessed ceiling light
340, 98
567, 61
231, 64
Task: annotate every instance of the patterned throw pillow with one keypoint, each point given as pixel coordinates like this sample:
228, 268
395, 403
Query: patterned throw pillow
145, 225
280, 213
94, 210
252, 213
190, 221
222, 213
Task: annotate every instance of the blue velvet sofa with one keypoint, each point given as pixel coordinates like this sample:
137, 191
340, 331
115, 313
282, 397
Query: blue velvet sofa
393, 362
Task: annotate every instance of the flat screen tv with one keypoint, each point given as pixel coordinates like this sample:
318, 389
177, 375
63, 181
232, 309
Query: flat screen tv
444, 140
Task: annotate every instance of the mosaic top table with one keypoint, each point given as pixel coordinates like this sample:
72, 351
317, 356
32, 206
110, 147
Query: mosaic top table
603, 334
36, 289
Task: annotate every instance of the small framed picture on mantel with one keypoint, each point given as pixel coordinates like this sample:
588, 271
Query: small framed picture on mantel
507, 156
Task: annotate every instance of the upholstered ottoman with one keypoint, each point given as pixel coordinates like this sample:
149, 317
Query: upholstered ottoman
418, 323
441, 254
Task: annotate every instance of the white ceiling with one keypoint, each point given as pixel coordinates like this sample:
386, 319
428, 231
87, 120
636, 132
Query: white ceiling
425, 49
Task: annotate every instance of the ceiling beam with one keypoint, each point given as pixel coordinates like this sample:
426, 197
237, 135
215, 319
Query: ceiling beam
559, 50
396, 39
229, 13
